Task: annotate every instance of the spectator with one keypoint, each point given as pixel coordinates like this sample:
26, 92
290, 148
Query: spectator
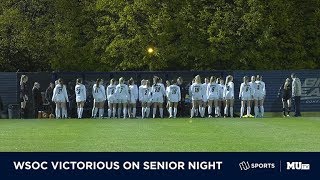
286, 94
48, 98
296, 94
181, 106
23, 96
37, 99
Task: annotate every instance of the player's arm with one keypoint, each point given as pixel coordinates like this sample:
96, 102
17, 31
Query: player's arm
65, 93
179, 93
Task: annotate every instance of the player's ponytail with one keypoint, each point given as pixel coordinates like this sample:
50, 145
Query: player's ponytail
79, 81
98, 82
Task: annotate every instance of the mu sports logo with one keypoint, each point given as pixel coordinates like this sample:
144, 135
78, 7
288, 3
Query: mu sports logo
245, 165
297, 166
310, 89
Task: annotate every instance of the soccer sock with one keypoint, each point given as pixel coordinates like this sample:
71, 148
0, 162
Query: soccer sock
209, 110
256, 111
241, 111
284, 111
192, 112
114, 112
170, 111
201, 109
161, 112
64, 113
78, 112
129, 112
175, 110
58, 113
154, 112
109, 113
119, 112
262, 111
81, 112
147, 112
248, 110
124, 112
231, 111
226, 111
142, 112
94, 112
134, 112
101, 113
218, 111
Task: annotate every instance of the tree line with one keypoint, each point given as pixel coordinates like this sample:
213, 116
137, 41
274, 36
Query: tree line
114, 35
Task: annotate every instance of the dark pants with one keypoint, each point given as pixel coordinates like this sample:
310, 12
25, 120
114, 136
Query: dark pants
296, 103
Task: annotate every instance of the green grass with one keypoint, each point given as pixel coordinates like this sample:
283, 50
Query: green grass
226, 135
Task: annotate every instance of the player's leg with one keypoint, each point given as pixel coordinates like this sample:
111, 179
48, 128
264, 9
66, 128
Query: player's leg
210, 108
261, 108
170, 109
248, 108
243, 103
193, 109
58, 110
148, 109
226, 107
124, 104
216, 108
284, 106
134, 110
154, 112
231, 107
175, 109
256, 108
161, 109
101, 109
64, 110
289, 106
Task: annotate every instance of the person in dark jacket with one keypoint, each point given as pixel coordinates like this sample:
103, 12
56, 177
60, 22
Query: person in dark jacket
37, 99
181, 106
23, 96
48, 98
285, 92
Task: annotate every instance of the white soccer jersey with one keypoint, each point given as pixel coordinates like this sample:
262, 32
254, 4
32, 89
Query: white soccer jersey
134, 94
111, 91
144, 93
221, 86
81, 93
174, 93
228, 91
60, 94
122, 92
158, 90
259, 90
213, 91
99, 93
245, 91
197, 91
204, 93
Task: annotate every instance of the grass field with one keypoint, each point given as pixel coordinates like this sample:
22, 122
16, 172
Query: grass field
227, 135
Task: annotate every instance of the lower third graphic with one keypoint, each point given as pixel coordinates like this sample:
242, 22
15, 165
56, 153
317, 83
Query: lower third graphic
244, 165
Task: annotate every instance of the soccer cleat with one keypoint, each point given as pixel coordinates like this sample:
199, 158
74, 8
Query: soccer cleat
288, 115
210, 116
251, 116
245, 116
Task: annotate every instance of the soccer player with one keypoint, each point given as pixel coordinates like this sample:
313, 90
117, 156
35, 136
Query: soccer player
259, 94
221, 101
166, 97
23, 95
196, 92
81, 96
252, 84
144, 96
228, 94
112, 100
174, 97
286, 94
122, 93
245, 94
296, 94
204, 98
134, 93
99, 96
60, 97
212, 93
158, 92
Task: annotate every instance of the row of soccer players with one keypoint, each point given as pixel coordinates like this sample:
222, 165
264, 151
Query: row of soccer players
214, 93
211, 94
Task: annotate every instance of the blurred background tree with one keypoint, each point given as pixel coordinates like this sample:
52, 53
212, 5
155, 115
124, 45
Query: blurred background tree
109, 35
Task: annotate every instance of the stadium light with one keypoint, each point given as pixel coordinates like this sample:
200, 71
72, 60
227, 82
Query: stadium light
150, 50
